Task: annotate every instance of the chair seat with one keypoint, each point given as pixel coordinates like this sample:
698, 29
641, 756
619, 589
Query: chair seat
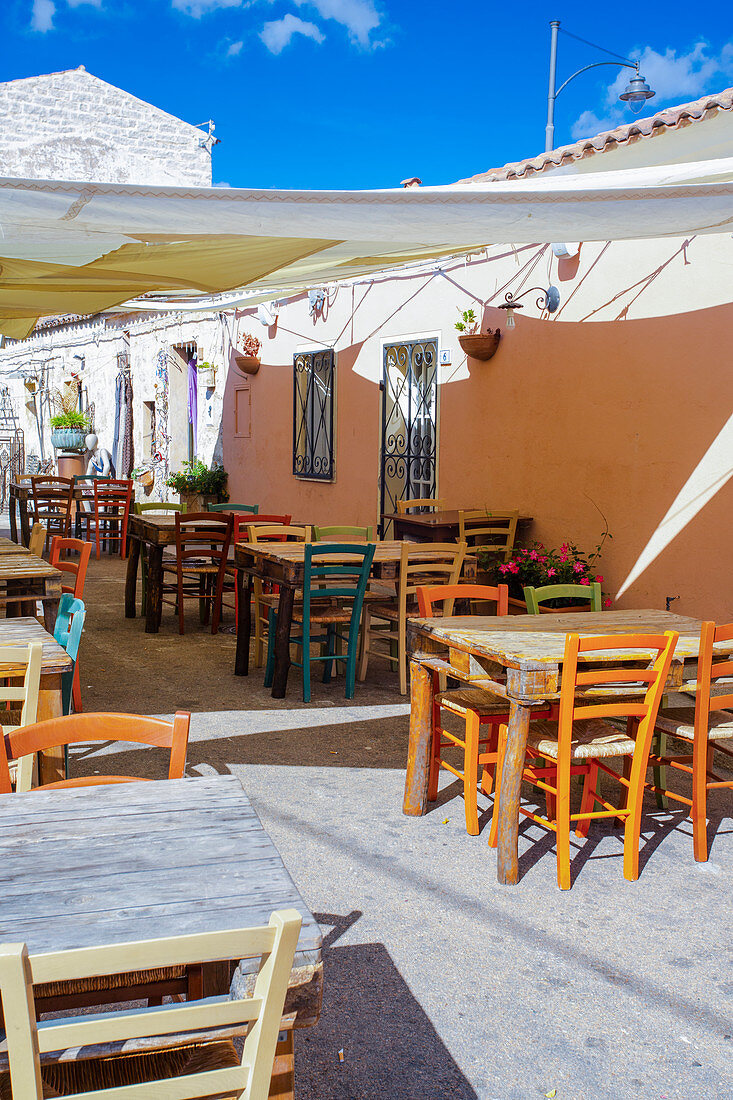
110, 981
680, 721
388, 611
461, 700
70, 1078
592, 737
191, 566
324, 611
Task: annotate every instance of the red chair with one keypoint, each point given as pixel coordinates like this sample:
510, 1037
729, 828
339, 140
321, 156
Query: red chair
241, 523
108, 521
78, 570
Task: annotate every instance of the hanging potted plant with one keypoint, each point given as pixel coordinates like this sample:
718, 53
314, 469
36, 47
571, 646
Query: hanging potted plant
69, 426
206, 373
198, 486
247, 357
476, 344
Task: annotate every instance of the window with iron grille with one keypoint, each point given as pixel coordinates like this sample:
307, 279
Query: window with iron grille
313, 383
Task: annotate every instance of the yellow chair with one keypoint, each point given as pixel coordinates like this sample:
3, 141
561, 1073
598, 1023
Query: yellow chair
420, 504
481, 529
269, 532
12, 658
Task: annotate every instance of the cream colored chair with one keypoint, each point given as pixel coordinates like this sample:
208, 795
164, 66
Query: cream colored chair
37, 541
269, 532
12, 660
420, 504
492, 532
177, 1060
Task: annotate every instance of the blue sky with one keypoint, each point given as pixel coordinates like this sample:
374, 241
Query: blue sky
363, 93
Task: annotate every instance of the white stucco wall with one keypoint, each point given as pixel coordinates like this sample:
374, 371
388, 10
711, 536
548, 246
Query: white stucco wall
72, 125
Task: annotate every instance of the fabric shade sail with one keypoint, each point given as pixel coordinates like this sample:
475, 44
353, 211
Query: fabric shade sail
76, 247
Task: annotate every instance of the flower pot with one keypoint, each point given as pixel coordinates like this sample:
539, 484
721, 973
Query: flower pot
146, 478
248, 364
197, 502
207, 377
69, 439
481, 346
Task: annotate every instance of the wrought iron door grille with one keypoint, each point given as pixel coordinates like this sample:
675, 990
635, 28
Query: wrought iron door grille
313, 378
409, 423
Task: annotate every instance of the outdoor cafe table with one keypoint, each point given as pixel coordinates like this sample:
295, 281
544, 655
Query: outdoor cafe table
108, 864
20, 495
26, 578
283, 564
529, 649
435, 526
54, 663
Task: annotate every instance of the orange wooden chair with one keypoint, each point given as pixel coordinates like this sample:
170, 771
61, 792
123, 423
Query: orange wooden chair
108, 521
78, 570
474, 706
582, 737
202, 546
22, 743
703, 726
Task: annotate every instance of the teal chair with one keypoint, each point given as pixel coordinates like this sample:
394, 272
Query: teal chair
591, 593
159, 507
67, 632
253, 509
325, 585
343, 534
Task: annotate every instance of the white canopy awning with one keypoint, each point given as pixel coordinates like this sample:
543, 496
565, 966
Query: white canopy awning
75, 247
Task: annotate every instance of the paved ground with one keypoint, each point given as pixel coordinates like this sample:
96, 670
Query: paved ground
439, 983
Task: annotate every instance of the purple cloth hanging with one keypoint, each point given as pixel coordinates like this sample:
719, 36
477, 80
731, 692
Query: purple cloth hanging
193, 402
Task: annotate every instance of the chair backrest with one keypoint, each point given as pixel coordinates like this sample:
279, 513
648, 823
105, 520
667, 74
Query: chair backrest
160, 507
16, 656
582, 681
253, 509
277, 532
37, 540
428, 595
52, 497
77, 568
84, 728
428, 563
420, 504
241, 525
69, 624
343, 534
201, 534
592, 593
112, 494
711, 668
28, 1041
484, 530
326, 578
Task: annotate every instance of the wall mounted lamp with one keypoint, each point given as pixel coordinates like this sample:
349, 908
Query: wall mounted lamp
548, 299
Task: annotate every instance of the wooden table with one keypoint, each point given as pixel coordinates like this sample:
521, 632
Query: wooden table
7, 546
56, 661
104, 865
434, 526
25, 578
532, 654
283, 563
20, 495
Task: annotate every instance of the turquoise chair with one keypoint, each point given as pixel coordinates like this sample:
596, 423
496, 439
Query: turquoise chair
253, 509
67, 632
323, 584
159, 507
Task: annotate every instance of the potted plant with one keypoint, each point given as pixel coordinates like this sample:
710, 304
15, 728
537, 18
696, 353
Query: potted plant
537, 566
476, 344
69, 426
247, 357
206, 374
198, 485
144, 476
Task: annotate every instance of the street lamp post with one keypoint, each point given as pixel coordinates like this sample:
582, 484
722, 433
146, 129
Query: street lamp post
636, 94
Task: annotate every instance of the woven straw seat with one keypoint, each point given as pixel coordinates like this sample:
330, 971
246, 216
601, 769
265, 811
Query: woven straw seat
461, 700
391, 612
681, 721
69, 1078
110, 981
592, 738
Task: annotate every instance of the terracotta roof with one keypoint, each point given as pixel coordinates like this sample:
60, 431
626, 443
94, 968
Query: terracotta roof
670, 119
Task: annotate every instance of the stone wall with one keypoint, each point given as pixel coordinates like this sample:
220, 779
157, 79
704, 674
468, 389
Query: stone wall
74, 126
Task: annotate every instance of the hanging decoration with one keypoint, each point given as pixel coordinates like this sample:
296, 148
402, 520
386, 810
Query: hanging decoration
161, 439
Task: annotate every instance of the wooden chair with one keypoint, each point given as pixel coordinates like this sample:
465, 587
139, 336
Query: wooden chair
265, 594
108, 521
12, 658
591, 593
77, 568
582, 738
24, 740
343, 534
251, 509
703, 727
242, 524
420, 504
333, 595
84, 483
176, 1052
67, 632
202, 546
416, 570
37, 541
493, 532
158, 508
52, 498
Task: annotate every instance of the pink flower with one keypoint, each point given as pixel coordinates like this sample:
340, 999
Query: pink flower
607, 602
599, 578
513, 567
563, 556
551, 572
533, 555
503, 568
564, 548
578, 567
584, 580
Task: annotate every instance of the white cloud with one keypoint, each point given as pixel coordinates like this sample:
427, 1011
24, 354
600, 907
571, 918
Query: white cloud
360, 17
675, 78
277, 34
42, 15
78, 3
197, 8
234, 49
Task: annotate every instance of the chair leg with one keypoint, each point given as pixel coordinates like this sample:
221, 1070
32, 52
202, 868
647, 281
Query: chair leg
330, 650
488, 770
364, 657
203, 602
632, 831
660, 770
181, 623
270, 664
500, 750
306, 647
562, 822
76, 691
470, 772
702, 754
587, 802
402, 654
434, 750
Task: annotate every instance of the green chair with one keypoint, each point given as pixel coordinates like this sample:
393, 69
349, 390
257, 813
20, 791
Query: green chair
325, 585
253, 509
67, 632
160, 507
591, 593
343, 534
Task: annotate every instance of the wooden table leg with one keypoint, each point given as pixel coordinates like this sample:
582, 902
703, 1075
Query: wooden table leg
50, 613
244, 622
282, 1083
507, 866
154, 590
415, 800
25, 527
51, 762
282, 641
13, 517
131, 578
